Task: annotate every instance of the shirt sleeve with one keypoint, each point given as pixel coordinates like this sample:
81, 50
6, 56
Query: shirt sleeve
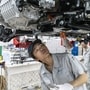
76, 66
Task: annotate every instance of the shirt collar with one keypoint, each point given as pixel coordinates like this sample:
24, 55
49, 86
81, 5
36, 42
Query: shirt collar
55, 60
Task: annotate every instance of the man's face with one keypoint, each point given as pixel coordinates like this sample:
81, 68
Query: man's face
83, 45
40, 52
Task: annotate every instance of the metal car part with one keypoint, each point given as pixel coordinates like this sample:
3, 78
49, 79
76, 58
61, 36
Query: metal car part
15, 18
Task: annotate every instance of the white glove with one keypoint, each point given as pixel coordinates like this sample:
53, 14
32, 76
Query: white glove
65, 86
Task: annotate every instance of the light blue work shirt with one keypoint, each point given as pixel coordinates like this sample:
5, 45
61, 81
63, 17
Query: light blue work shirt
86, 57
65, 69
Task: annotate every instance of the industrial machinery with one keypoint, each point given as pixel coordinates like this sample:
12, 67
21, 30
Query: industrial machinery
38, 16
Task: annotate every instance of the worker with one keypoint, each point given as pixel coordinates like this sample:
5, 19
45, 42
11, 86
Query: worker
85, 51
59, 71
86, 58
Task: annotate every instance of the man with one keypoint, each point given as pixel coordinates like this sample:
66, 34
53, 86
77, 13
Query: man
58, 71
85, 51
86, 58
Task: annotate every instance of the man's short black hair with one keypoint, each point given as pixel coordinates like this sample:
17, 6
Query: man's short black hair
85, 41
31, 47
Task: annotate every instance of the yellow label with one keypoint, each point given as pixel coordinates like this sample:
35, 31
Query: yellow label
1, 58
